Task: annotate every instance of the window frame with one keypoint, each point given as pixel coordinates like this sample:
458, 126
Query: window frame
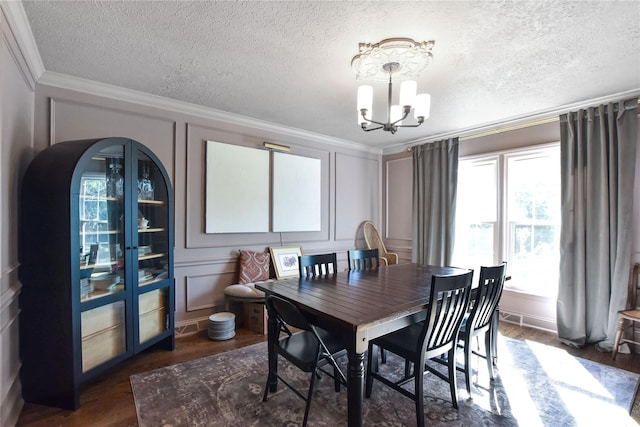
502, 241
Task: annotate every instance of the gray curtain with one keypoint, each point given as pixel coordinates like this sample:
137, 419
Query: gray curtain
598, 152
435, 179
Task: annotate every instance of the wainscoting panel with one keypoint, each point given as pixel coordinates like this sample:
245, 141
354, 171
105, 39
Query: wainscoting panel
206, 291
17, 84
357, 194
399, 197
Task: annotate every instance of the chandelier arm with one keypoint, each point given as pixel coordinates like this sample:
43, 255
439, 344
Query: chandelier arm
369, 130
369, 120
404, 116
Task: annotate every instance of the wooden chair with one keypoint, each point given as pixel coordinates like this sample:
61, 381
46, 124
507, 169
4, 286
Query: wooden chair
363, 259
631, 314
317, 265
478, 322
373, 240
433, 337
309, 349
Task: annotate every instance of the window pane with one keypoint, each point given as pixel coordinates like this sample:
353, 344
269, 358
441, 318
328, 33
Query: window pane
476, 213
477, 191
533, 212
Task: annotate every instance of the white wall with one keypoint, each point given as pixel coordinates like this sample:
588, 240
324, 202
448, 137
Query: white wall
16, 137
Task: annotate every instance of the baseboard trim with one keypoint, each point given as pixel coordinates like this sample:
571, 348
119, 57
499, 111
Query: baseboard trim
527, 320
191, 326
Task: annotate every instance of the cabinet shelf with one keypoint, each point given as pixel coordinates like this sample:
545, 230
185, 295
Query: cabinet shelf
150, 256
117, 199
100, 232
151, 202
151, 230
99, 293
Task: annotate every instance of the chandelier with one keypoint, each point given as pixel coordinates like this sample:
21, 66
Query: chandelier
401, 58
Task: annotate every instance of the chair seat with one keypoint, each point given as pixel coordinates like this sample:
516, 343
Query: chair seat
630, 314
401, 342
300, 348
244, 290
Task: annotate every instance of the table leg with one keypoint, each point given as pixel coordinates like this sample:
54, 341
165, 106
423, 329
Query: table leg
355, 388
272, 331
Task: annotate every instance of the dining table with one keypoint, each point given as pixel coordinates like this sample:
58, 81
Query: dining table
357, 307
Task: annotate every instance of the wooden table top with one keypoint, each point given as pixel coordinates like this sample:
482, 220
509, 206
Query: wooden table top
361, 299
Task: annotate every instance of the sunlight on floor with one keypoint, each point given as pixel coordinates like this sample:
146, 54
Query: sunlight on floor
584, 396
523, 407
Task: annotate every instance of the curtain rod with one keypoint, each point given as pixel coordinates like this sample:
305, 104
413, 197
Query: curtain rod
497, 130
505, 129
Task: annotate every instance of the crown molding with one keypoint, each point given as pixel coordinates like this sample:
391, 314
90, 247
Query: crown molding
21, 30
20, 27
118, 93
517, 122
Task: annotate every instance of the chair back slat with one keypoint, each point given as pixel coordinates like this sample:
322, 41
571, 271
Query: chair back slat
449, 298
318, 265
488, 294
363, 259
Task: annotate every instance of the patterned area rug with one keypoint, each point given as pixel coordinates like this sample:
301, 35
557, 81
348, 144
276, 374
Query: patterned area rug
535, 385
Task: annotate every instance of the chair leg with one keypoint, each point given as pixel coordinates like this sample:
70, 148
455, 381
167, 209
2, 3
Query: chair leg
309, 395
408, 366
266, 388
418, 375
383, 355
495, 322
488, 345
452, 377
616, 342
467, 364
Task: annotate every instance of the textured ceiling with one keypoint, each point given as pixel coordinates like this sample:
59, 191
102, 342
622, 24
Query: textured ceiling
289, 62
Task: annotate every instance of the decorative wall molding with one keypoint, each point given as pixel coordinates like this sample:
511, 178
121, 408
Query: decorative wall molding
191, 283
64, 81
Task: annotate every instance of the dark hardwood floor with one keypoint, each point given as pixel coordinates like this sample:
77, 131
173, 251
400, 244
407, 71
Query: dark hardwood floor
108, 401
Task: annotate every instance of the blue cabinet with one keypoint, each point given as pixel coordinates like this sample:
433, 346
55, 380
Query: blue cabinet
96, 264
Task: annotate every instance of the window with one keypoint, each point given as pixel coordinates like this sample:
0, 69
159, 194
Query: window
93, 211
508, 208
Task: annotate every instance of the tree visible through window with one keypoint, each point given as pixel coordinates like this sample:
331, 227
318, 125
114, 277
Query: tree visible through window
93, 210
508, 208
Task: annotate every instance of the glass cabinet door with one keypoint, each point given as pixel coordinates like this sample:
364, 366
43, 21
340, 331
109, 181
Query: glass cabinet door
101, 214
152, 227
153, 248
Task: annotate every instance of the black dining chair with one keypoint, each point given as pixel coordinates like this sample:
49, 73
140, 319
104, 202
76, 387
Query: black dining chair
478, 321
416, 344
363, 259
318, 265
309, 349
